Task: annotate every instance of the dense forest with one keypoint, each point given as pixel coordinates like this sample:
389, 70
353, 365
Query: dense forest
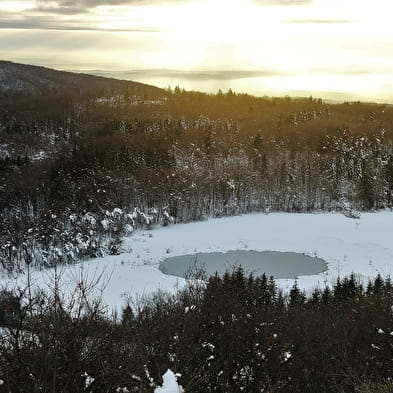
226, 335
80, 168
85, 161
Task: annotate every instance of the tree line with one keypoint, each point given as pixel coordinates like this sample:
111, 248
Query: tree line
191, 156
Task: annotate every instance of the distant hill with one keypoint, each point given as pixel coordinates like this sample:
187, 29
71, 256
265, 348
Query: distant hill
23, 79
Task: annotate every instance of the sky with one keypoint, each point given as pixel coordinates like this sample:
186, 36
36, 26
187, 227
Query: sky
339, 49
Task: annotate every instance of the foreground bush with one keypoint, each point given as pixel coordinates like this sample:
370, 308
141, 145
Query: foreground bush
229, 334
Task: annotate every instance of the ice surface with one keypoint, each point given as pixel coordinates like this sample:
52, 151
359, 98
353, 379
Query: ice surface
363, 246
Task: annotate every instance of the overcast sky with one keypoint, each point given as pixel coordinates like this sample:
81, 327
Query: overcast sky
308, 45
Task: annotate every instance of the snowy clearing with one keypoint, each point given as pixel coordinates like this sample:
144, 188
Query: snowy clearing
362, 246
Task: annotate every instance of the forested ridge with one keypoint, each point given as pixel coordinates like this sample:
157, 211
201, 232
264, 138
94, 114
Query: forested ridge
28, 80
79, 169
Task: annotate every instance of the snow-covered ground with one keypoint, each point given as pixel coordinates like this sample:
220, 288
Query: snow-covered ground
362, 246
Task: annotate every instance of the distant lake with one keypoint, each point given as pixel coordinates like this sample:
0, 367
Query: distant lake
272, 263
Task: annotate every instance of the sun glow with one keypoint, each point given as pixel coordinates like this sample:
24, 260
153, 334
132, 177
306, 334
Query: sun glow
208, 33
16, 6
318, 44
242, 34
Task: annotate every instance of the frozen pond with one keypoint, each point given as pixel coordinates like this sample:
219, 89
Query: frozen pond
272, 263
363, 247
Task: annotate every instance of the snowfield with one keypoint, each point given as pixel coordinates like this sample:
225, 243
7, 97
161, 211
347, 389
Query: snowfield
361, 246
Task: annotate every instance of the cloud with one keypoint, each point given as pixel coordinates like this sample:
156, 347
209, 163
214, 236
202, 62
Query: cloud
69, 7
318, 21
61, 10
47, 23
283, 2
220, 75
195, 75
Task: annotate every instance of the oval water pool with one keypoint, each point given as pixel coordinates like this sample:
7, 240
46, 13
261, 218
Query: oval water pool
272, 263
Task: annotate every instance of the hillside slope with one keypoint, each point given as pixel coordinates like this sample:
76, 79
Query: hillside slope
22, 79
